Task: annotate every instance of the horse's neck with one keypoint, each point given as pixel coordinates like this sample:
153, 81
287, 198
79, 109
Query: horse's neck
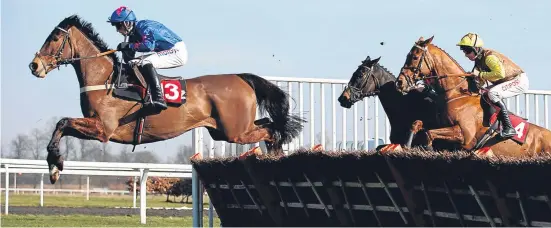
383, 77
94, 71
443, 65
390, 99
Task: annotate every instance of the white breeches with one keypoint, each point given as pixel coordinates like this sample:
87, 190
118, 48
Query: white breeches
508, 89
175, 57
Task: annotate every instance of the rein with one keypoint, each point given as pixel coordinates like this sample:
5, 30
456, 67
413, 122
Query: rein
90, 57
447, 75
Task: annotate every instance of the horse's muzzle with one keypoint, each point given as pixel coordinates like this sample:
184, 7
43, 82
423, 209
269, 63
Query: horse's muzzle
401, 85
345, 101
37, 68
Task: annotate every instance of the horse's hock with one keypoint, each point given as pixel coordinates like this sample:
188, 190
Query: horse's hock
409, 188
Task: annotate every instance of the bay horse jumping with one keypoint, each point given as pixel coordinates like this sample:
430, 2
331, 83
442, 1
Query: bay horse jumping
225, 104
464, 106
372, 79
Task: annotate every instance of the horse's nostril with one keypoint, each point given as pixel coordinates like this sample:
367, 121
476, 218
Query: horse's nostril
33, 66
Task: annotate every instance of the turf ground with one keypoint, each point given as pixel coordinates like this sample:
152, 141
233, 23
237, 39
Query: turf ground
99, 211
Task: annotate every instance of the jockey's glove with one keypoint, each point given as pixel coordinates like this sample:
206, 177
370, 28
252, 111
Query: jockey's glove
124, 46
476, 73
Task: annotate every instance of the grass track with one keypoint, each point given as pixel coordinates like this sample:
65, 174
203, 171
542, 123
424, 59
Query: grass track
96, 221
95, 201
18, 220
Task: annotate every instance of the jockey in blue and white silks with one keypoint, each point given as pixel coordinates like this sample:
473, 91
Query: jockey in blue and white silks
149, 36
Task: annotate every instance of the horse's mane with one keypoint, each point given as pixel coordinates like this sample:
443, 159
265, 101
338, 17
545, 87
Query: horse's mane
386, 70
471, 85
87, 29
449, 56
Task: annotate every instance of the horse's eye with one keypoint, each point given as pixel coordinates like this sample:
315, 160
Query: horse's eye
415, 57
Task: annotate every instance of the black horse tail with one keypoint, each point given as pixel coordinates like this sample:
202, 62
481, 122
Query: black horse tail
272, 99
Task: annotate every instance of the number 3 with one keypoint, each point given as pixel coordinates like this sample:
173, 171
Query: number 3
519, 128
174, 93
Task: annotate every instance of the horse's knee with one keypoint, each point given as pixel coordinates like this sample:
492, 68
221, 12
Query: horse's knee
429, 136
417, 126
62, 123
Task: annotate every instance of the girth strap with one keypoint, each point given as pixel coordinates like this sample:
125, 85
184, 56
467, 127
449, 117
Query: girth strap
96, 87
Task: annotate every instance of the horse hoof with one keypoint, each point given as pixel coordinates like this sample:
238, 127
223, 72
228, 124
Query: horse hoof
54, 174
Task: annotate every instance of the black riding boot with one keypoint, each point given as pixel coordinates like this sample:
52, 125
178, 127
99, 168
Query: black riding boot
508, 130
157, 103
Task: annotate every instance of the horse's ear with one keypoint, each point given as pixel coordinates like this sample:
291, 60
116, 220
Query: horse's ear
429, 40
421, 39
373, 62
366, 61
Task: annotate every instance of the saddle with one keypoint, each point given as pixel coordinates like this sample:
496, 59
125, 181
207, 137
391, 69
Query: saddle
130, 85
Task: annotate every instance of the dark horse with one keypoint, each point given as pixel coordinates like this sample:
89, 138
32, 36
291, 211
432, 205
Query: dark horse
460, 101
372, 79
225, 104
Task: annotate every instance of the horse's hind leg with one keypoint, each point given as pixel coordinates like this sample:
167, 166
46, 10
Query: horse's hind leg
257, 134
83, 128
254, 135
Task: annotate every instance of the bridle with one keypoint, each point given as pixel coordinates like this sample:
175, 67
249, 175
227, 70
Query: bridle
356, 93
416, 70
58, 60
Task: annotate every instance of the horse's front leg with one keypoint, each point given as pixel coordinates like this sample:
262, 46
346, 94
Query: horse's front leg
415, 127
83, 128
453, 134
